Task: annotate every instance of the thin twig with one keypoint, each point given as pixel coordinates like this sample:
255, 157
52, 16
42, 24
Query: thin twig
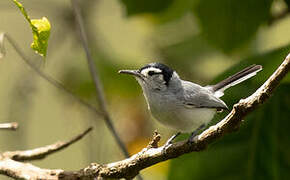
9, 126
155, 140
95, 77
42, 152
48, 78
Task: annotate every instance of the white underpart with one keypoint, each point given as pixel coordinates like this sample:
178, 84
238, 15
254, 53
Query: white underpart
182, 119
220, 92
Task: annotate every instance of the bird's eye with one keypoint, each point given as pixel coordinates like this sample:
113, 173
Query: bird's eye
150, 73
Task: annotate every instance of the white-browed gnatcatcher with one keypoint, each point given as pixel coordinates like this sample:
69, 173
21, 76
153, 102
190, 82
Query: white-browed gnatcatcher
183, 105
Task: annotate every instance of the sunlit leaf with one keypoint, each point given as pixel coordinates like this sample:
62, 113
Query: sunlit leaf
260, 148
41, 35
40, 29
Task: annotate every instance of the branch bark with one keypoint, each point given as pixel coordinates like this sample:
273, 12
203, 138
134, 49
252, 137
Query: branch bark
9, 126
18, 170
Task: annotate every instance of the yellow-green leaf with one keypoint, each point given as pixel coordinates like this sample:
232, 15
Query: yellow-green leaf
40, 30
40, 35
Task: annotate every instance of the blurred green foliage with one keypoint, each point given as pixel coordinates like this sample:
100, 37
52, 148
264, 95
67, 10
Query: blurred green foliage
228, 24
162, 10
80, 82
145, 6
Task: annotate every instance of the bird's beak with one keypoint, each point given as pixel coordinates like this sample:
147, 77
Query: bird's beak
132, 72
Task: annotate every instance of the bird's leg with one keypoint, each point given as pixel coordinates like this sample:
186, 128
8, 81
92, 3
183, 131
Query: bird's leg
169, 141
194, 133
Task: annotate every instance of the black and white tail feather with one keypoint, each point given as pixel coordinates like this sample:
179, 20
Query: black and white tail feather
235, 79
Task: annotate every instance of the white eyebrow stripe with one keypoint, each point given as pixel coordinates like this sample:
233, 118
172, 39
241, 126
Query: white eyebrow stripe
145, 71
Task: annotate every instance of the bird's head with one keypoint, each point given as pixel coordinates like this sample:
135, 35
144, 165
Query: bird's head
154, 76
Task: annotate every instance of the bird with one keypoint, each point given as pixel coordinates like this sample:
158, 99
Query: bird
182, 105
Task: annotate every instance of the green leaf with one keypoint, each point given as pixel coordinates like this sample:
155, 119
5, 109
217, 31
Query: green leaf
260, 149
41, 35
229, 24
40, 30
134, 7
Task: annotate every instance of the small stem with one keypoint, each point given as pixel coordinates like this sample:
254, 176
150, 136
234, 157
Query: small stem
98, 85
95, 77
9, 126
48, 78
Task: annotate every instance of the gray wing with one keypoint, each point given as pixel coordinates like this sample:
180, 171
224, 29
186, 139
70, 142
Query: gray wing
197, 96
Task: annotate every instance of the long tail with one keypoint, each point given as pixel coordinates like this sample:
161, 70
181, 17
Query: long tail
237, 78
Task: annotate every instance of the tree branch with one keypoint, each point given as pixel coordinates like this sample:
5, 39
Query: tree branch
42, 152
130, 167
94, 74
10, 166
9, 126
